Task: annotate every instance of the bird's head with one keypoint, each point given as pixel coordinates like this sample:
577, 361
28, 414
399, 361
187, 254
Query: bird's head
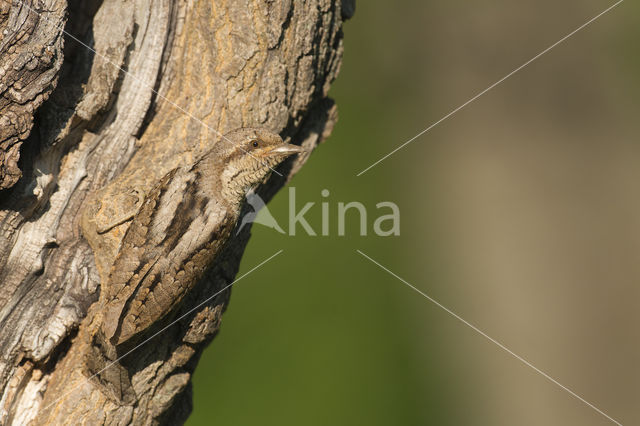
247, 156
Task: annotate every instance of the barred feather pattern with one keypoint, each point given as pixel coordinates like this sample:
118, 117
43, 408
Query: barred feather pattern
171, 241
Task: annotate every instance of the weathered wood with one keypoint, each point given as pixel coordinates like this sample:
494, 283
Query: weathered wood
164, 79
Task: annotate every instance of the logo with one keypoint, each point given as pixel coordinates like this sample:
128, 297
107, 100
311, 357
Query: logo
264, 218
384, 225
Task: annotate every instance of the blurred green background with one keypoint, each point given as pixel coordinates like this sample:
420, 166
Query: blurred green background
520, 213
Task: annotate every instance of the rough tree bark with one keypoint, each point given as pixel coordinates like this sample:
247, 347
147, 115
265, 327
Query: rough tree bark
95, 93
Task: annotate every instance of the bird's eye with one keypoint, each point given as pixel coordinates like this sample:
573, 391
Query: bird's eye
255, 144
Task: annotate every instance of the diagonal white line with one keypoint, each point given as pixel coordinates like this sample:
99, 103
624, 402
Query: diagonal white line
139, 80
166, 327
491, 339
490, 87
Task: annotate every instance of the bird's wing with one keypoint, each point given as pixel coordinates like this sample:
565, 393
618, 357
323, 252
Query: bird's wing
170, 243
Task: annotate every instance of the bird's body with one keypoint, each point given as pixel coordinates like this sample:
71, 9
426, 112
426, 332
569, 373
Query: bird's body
171, 241
180, 228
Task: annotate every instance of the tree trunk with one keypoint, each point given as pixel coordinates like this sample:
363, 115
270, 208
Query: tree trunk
105, 92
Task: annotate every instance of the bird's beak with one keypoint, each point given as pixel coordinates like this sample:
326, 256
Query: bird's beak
286, 149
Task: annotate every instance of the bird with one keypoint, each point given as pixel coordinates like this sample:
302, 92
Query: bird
180, 229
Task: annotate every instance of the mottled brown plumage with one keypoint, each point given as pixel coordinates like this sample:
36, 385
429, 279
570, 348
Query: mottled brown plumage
181, 227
